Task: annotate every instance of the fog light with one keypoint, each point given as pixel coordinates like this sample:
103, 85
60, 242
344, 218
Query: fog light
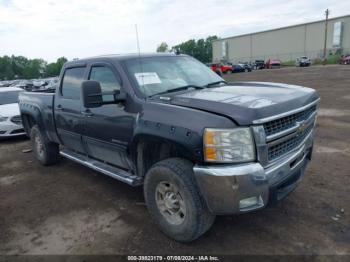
251, 202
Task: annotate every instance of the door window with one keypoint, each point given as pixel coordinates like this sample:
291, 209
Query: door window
107, 79
72, 79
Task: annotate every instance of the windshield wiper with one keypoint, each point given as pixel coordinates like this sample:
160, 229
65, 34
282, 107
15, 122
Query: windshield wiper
215, 83
178, 89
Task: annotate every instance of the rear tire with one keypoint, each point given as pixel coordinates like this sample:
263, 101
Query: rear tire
45, 151
174, 200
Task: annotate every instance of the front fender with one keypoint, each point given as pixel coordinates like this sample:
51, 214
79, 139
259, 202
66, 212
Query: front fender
187, 141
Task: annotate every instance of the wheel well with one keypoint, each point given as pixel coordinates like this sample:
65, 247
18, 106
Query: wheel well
28, 122
151, 151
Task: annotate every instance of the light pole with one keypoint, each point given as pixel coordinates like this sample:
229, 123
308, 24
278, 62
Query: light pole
325, 37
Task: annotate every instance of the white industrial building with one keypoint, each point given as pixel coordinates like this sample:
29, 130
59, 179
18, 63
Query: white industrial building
286, 43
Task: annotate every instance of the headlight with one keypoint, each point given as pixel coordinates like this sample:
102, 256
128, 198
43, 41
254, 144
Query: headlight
228, 145
2, 118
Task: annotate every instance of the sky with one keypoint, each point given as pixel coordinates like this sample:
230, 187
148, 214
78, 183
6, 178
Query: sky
82, 28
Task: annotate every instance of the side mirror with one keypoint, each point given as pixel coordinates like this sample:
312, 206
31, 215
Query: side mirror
91, 94
119, 96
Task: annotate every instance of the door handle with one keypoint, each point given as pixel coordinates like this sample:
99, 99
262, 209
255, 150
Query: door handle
59, 107
87, 113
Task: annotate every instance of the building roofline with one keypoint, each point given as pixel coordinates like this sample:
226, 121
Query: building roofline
279, 28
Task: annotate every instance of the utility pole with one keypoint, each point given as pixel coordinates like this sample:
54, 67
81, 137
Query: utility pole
325, 37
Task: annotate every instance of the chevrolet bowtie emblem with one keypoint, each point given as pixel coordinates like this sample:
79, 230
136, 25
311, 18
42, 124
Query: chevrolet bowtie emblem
302, 125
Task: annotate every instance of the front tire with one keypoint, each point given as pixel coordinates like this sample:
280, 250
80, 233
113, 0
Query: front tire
45, 151
174, 201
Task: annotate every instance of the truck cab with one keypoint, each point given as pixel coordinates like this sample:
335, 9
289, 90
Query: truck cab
198, 145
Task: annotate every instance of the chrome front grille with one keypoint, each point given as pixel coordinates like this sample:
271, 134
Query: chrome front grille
275, 126
287, 145
279, 135
17, 120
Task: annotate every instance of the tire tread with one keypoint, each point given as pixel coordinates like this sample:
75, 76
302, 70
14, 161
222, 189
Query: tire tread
183, 168
51, 149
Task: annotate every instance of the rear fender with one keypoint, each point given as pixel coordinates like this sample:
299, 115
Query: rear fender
36, 114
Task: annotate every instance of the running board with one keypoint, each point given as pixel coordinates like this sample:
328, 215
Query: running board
103, 168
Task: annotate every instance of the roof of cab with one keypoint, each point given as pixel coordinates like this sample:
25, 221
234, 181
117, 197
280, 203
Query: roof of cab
118, 57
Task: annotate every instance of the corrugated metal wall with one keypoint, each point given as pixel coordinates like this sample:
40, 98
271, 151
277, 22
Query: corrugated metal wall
285, 43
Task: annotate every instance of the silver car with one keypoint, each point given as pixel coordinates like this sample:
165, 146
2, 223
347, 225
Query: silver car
303, 61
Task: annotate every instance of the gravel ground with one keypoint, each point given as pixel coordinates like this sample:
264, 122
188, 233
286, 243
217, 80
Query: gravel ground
70, 209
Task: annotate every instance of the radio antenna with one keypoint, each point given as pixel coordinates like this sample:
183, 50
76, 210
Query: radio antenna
139, 51
137, 40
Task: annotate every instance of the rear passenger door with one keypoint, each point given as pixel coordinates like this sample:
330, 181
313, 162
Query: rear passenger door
67, 109
108, 128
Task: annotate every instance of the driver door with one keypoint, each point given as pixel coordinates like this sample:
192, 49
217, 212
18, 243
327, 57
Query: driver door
109, 128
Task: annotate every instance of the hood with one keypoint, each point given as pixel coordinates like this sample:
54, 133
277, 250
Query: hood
245, 102
9, 110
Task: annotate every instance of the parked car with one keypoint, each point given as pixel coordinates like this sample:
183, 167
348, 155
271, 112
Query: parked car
273, 63
51, 83
220, 68
303, 61
10, 118
38, 83
240, 67
15, 82
25, 84
45, 84
4, 83
200, 146
259, 64
243, 67
345, 60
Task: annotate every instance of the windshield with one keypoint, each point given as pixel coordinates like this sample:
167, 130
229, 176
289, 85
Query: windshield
9, 97
155, 75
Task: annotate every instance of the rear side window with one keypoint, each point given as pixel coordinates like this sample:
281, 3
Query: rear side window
72, 79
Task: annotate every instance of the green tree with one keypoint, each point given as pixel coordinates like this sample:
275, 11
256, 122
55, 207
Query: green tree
163, 47
19, 63
6, 70
200, 49
54, 69
21, 67
34, 69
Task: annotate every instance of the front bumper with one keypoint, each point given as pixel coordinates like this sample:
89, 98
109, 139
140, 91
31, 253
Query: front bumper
224, 187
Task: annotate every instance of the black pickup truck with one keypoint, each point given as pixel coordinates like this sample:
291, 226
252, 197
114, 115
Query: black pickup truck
200, 146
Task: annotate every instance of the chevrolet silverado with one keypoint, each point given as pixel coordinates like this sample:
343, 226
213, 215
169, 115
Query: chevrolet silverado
198, 145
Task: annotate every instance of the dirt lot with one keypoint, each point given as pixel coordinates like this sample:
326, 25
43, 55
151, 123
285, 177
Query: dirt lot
69, 209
